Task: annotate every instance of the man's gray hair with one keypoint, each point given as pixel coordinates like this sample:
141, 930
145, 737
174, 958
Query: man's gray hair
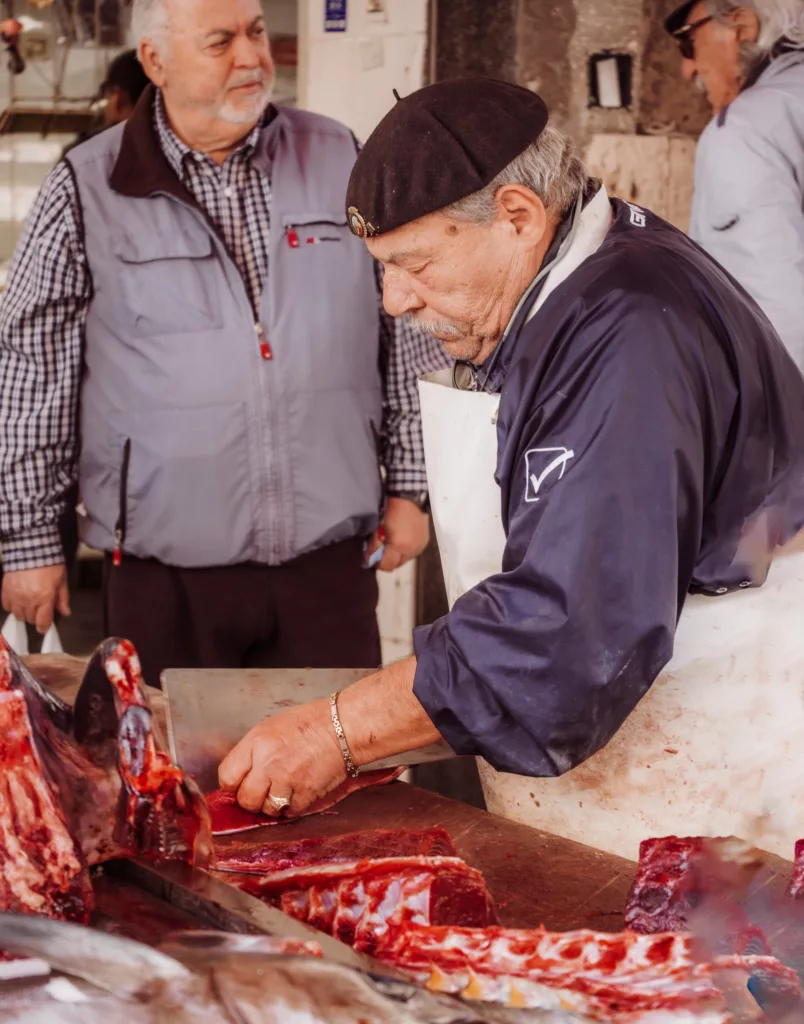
549, 167
149, 19
779, 20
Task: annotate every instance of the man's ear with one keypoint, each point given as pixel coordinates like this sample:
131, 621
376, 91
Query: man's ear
746, 24
523, 209
152, 63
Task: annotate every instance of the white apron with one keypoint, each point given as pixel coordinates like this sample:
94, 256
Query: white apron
716, 746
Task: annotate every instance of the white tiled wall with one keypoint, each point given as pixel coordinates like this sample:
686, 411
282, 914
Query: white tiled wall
351, 75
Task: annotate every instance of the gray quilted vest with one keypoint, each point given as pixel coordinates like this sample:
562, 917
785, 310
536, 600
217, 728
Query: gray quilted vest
196, 450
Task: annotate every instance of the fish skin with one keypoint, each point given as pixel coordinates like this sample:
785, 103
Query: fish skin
243, 987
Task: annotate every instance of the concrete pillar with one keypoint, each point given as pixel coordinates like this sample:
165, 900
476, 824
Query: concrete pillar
475, 38
351, 75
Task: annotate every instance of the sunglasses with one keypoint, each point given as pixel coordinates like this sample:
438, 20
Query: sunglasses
684, 37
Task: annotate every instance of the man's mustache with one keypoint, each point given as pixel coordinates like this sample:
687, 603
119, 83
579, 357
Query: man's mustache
444, 328
256, 77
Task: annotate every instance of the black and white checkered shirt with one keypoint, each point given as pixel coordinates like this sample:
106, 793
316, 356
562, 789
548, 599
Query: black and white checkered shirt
42, 320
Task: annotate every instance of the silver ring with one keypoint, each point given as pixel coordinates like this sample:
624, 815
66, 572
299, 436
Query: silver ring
279, 803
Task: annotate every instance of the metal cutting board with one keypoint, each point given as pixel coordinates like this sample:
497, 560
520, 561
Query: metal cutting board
210, 710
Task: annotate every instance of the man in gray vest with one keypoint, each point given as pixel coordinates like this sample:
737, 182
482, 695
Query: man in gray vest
192, 331
748, 207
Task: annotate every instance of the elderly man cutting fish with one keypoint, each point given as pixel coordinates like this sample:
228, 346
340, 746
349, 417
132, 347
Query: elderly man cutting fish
646, 430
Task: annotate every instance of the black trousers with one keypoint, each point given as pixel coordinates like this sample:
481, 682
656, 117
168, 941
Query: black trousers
318, 611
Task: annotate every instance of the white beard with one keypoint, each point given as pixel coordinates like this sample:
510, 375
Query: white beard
248, 113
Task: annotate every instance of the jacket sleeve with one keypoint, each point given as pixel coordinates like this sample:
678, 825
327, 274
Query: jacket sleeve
537, 667
748, 216
42, 320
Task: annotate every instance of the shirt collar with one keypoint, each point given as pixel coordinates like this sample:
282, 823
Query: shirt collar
177, 152
496, 373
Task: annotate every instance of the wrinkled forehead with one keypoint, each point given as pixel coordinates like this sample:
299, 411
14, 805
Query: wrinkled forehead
210, 15
422, 238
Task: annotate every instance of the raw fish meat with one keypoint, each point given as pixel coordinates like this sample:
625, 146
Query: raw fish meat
678, 876
622, 977
86, 784
42, 868
796, 888
360, 901
229, 818
261, 858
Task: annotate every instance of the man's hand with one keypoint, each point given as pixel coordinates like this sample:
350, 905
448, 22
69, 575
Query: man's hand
294, 756
407, 533
33, 594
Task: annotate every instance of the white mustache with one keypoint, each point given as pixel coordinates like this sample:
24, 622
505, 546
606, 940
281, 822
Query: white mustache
443, 327
249, 78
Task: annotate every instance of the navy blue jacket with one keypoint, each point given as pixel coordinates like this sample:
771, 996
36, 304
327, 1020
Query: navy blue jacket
684, 415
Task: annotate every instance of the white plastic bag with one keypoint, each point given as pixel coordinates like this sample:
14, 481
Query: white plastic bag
51, 644
15, 635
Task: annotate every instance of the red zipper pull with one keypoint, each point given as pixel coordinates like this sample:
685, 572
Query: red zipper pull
265, 348
117, 556
293, 239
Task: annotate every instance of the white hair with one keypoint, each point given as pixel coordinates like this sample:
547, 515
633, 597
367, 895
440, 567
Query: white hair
549, 167
779, 21
149, 20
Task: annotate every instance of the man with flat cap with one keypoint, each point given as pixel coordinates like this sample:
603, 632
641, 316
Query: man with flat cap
622, 439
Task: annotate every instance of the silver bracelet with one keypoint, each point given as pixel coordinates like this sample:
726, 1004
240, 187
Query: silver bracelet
351, 768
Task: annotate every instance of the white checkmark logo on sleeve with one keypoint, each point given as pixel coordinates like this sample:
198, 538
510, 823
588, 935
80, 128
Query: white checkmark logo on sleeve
538, 473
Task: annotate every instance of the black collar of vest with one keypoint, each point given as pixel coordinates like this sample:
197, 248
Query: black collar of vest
142, 169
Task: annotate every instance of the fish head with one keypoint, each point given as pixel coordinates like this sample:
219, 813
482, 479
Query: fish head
160, 813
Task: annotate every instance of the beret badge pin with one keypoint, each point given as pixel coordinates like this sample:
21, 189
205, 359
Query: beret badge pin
358, 224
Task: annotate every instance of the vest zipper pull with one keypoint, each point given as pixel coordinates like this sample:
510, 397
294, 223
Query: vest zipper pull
265, 348
117, 556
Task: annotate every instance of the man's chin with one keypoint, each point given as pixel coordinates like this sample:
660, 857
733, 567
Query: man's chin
246, 111
465, 349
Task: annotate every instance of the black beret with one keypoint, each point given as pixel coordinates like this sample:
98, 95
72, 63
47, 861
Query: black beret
679, 17
438, 145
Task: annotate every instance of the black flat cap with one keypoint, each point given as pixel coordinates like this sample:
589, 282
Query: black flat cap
679, 17
437, 146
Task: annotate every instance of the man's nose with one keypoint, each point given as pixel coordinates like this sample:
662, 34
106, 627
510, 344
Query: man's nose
399, 299
248, 53
688, 69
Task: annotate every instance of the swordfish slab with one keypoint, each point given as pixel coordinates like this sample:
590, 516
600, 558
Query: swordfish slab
262, 858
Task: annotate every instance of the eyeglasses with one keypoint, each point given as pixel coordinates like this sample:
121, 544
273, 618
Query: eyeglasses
684, 37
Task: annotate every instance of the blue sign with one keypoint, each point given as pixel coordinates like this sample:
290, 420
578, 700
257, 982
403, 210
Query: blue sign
335, 15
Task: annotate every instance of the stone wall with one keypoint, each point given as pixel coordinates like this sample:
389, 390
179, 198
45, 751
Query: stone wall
546, 45
476, 37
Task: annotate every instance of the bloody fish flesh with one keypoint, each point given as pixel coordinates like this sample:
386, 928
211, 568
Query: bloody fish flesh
678, 876
42, 869
229, 818
796, 888
359, 901
261, 858
622, 977
86, 784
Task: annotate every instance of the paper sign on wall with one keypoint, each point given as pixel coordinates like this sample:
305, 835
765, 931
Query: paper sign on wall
335, 15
